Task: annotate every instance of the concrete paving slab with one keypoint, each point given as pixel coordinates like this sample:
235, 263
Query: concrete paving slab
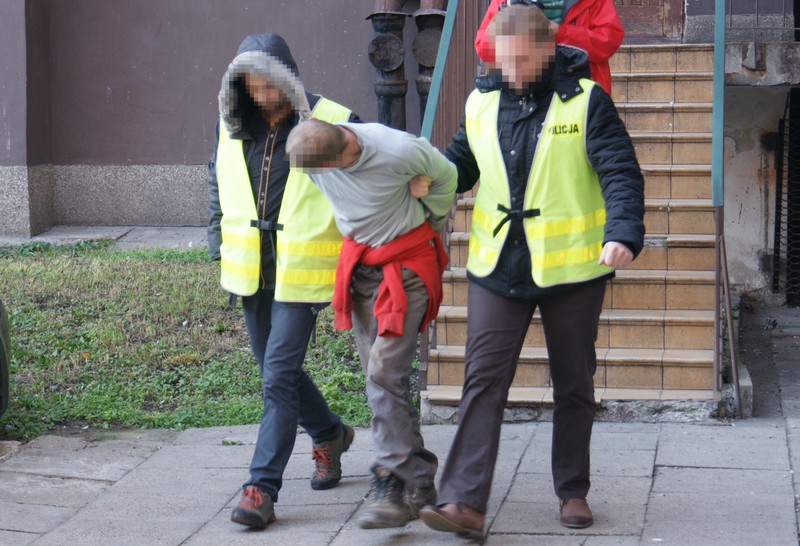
211, 456
539, 540
602, 440
351, 490
719, 519
414, 532
622, 462
613, 541
107, 461
161, 481
125, 532
12, 538
605, 489
537, 518
741, 446
722, 481
215, 436
35, 489
155, 237
32, 518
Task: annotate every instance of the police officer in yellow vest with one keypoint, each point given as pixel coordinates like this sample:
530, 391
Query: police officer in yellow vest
274, 235
560, 206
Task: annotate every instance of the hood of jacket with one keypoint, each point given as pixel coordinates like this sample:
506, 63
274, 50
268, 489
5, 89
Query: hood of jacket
571, 64
265, 55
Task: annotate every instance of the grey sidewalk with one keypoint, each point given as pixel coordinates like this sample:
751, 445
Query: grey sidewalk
730, 483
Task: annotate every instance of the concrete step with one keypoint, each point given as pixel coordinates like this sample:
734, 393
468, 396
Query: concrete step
618, 328
677, 252
655, 117
677, 181
630, 289
672, 148
663, 58
542, 397
664, 87
616, 368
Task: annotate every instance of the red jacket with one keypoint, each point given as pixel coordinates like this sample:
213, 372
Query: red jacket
420, 250
592, 25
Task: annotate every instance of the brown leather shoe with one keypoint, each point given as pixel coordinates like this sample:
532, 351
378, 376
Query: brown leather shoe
454, 518
575, 514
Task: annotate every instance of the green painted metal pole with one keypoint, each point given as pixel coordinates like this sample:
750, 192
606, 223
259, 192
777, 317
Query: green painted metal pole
718, 119
438, 70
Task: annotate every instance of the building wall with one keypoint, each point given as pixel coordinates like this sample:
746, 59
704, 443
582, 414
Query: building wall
117, 101
751, 121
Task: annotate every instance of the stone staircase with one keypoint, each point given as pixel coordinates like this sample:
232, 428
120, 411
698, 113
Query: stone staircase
657, 330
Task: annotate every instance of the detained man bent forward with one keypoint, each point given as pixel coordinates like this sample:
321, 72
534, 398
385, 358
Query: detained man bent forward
388, 285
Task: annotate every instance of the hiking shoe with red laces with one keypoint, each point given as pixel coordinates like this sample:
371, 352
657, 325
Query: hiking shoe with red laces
328, 458
256, 508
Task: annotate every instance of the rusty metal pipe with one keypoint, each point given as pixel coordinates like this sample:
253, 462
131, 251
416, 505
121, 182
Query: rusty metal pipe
387, 54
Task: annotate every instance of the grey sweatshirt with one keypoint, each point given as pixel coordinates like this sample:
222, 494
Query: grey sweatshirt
372, 203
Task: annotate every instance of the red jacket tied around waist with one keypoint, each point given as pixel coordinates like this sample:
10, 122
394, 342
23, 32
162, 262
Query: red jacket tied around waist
420, 250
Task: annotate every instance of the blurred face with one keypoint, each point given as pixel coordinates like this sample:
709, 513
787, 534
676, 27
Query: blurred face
522, 60
266, 95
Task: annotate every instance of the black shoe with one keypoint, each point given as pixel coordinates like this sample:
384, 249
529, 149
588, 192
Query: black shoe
256, 509
328, 458
385, 505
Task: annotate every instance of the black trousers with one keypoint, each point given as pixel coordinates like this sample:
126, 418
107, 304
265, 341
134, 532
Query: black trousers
495, 334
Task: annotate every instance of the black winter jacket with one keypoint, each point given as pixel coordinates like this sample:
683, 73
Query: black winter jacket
264, 146
608, 147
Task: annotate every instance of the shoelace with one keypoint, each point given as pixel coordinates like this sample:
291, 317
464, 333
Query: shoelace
324, 461
253, 495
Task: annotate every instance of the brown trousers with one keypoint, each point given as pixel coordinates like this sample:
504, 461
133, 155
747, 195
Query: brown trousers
495, 334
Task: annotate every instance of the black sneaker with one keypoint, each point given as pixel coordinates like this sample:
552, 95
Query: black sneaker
385, 505
328, 458
419, 497
256, 508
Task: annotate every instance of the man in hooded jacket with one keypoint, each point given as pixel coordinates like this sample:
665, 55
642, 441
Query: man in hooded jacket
559, 207
274, 235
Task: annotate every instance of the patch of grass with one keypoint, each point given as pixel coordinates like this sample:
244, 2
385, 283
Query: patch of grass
110, 338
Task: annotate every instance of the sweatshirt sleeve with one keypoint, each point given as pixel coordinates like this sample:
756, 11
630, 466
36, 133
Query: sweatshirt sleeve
443, 186
601, 37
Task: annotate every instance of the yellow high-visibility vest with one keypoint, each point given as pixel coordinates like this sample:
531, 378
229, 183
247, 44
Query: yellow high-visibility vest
308, 245
565, 226
310, 242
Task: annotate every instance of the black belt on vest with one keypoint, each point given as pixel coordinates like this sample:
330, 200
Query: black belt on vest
513, 215
266, 225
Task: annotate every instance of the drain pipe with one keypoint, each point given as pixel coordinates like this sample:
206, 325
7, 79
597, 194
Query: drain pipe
430, 20
387, 54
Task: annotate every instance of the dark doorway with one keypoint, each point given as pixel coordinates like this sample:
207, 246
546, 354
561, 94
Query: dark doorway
786, 273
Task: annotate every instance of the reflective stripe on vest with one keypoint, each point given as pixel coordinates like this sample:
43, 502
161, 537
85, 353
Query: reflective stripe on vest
565, 239
307, 269
310, 242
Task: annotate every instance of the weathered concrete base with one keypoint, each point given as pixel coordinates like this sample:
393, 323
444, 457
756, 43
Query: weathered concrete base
699, 29
15, 203
134, 195
623, 411
762, 64
32, 199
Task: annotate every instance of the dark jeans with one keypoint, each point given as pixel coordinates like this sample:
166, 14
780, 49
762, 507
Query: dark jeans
279, 335
495, 336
